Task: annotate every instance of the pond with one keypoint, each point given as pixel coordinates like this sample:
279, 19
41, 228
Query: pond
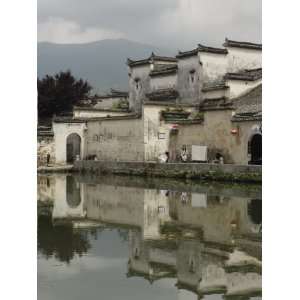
134, 238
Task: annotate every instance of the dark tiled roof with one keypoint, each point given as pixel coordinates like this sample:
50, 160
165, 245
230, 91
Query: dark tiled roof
203, 48
149, 60
91, 101
249, 74
187, 53
185, 122
118, 93
169, 103
84, 120
231, 43
221, 103
91, 108
248, 106
163, 95
161, 70
213, 86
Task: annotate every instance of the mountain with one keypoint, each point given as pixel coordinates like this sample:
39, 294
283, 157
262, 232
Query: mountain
102, 63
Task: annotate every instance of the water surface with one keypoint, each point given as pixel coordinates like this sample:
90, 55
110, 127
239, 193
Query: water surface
134, 238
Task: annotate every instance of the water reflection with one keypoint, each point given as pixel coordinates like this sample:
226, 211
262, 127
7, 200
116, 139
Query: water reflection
61, 240
205, 238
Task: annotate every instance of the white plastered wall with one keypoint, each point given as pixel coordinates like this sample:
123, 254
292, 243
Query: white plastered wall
96, 113
214, 65
240, 87
241, 58
61, 132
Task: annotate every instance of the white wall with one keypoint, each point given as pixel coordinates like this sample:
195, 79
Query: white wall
214, 65
61, 132
240, 58
61, 208
155, 128
96, 113
166, 81
215, 94
240, 87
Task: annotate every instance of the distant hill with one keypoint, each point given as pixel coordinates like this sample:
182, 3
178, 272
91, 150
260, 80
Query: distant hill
102, 63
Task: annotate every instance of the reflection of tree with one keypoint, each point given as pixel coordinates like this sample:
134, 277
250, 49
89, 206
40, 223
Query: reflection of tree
60, 240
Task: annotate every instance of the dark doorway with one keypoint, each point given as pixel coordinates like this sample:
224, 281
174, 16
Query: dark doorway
73, 147
255, 211
256, 150
73, 192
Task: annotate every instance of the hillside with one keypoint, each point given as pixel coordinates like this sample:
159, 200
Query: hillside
102, 63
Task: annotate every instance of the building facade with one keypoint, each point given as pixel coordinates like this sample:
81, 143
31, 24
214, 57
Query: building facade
204, 97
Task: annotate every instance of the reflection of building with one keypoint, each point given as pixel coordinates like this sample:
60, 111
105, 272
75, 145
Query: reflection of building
209, 239
195, 264
66, 194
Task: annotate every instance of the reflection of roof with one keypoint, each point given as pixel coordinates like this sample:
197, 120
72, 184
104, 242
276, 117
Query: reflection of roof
163, 94
231, 43
149, 60
248, 106
248, 74
161, 70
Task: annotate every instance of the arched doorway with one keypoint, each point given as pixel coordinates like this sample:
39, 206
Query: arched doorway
73, 147
255, 149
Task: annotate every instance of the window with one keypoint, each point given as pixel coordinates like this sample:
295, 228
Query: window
192, 76
137, 83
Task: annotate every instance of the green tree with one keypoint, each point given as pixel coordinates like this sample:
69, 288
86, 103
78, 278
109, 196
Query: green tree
57, 94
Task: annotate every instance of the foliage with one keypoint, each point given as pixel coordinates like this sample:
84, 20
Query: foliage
58, 93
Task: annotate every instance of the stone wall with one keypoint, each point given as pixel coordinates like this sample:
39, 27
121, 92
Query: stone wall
217, 172
215, 133
115, 139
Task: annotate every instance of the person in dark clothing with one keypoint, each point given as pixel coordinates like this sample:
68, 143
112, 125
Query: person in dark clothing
167, 155
48, 158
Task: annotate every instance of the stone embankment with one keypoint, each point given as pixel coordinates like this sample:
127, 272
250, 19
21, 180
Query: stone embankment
55, 169
215, 172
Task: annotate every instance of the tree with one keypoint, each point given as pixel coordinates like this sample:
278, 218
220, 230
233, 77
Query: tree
57, 94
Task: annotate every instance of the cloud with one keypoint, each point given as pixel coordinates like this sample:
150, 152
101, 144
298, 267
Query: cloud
58, 30
173, 23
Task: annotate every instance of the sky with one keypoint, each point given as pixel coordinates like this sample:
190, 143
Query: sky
177, 24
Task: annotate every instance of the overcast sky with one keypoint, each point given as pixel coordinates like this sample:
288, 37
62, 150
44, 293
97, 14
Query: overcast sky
179, 24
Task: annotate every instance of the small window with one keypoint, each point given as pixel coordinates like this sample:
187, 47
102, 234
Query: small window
161, 135
192, 76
